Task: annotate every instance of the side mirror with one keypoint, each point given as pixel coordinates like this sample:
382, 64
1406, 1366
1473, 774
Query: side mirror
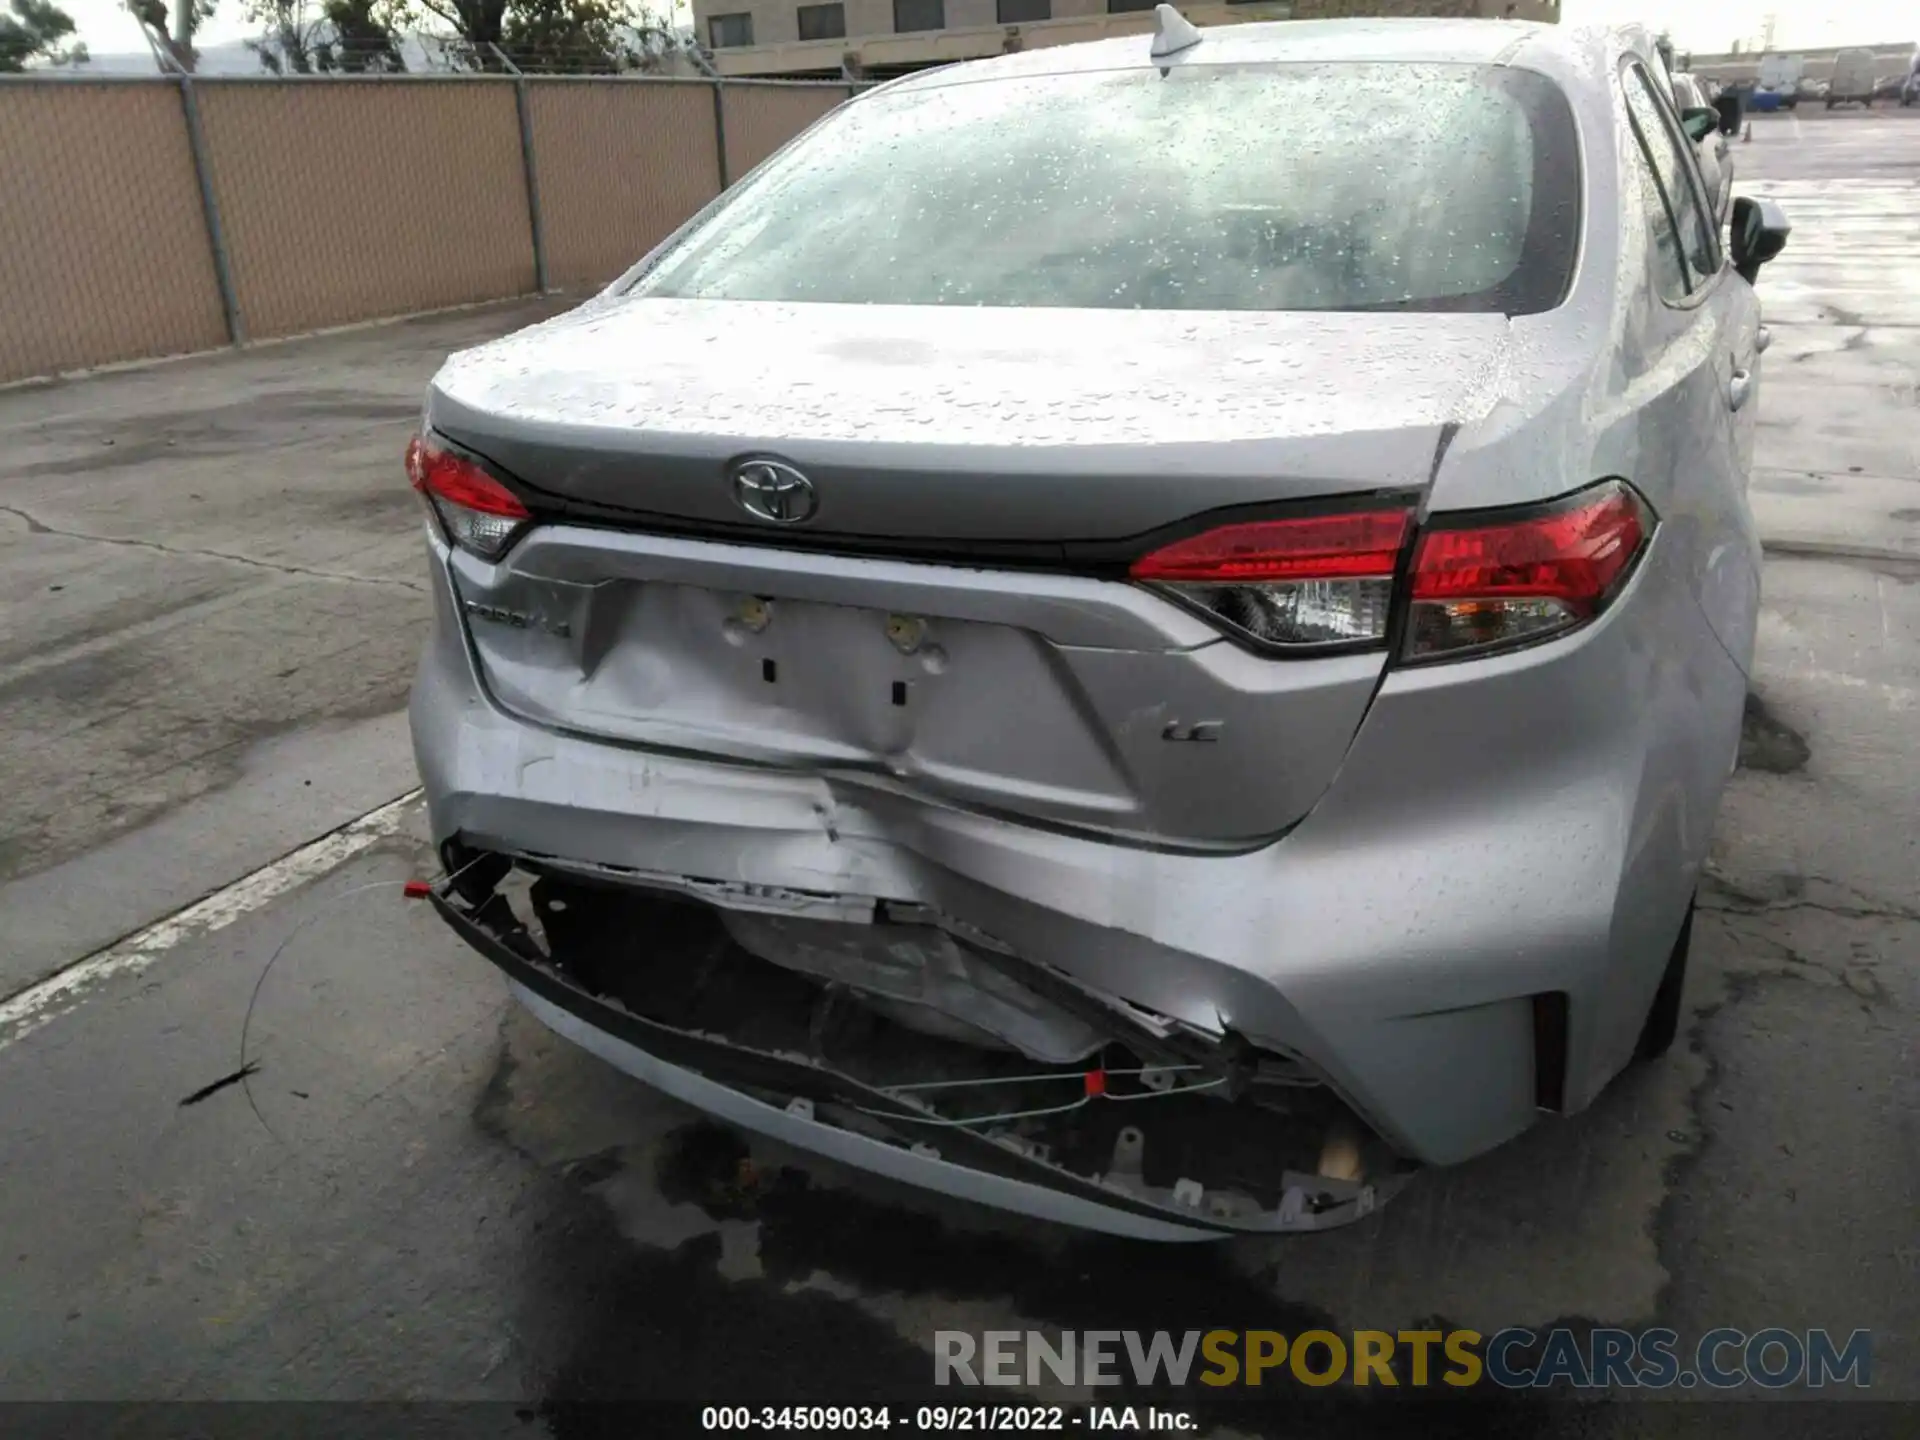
1699, 123
1760, 231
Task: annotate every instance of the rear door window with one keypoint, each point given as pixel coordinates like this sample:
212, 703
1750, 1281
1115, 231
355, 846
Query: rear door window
1670, 279
1677, 177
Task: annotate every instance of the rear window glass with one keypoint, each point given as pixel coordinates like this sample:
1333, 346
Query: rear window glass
1291, 187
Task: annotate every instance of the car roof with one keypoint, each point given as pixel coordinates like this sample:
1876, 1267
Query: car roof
1433, 41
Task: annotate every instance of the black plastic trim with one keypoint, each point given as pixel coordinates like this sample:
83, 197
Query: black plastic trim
1550, 1051
1091, 559
1095, 559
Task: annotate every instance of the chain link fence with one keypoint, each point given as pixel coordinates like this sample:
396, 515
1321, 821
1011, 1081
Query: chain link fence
345, 200
103, 239
619, 165
758, 119
155, 216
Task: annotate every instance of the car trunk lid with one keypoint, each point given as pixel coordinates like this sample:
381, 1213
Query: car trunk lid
648, 609
932, 423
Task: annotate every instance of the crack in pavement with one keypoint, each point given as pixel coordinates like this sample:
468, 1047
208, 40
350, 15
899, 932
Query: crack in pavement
1893, 563
1789, 895
40, 527
1846, 912
1855, 977
1792, 896
1841, 476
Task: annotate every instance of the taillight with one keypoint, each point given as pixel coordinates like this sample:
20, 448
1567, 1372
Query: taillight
1473, 586
476, 511
1479, 587
1314, 581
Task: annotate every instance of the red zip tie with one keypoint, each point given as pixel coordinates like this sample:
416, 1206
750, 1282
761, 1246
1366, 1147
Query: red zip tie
416, 889
1096, 1083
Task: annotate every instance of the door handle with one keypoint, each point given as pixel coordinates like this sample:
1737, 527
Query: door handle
1740, 389
1762, 338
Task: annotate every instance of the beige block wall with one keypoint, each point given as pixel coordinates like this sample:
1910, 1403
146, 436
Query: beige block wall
762, 118
346, 200
620, 164
103, 242
339, 200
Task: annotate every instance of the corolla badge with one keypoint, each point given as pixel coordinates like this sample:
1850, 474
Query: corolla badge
773, 490
518, 619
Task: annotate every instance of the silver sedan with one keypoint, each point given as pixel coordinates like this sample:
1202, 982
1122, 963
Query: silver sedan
1148, 633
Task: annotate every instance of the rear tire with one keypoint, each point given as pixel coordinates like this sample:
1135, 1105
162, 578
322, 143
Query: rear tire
1662, 1025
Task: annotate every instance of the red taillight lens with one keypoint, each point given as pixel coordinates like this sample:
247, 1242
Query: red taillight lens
477, 512
1319, 547
1313, 581
1479, 587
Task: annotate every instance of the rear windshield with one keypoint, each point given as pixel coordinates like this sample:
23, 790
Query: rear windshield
1291, 187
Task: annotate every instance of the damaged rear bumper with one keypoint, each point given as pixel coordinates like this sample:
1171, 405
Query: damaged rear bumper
795, 1100
1465, 932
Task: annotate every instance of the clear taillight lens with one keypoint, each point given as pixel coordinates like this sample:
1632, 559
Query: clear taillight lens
1315, 581
1480, 587
475, 510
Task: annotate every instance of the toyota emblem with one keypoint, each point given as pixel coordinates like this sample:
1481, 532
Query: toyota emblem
774, 491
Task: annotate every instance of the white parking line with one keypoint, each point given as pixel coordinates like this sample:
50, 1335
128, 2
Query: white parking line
53, 997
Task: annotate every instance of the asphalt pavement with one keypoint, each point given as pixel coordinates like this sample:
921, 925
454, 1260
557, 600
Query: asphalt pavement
210, 604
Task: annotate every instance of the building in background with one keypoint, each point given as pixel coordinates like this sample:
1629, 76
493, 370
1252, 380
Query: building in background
876, 39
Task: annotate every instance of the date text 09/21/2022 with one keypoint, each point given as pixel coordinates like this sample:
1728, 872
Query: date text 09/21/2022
941, 1419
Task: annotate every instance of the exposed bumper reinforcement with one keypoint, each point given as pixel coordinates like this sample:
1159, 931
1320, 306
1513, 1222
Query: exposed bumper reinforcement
706, 1071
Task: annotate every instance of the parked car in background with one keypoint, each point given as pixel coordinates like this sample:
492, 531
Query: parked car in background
1147, 632
1853, 79
1781, 75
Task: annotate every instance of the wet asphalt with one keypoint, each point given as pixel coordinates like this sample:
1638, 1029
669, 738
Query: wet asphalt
211, 601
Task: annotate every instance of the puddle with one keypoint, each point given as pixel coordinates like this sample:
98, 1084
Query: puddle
1769, 743
843, 1284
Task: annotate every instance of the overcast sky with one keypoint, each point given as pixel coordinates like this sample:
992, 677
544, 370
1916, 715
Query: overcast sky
1707, 25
